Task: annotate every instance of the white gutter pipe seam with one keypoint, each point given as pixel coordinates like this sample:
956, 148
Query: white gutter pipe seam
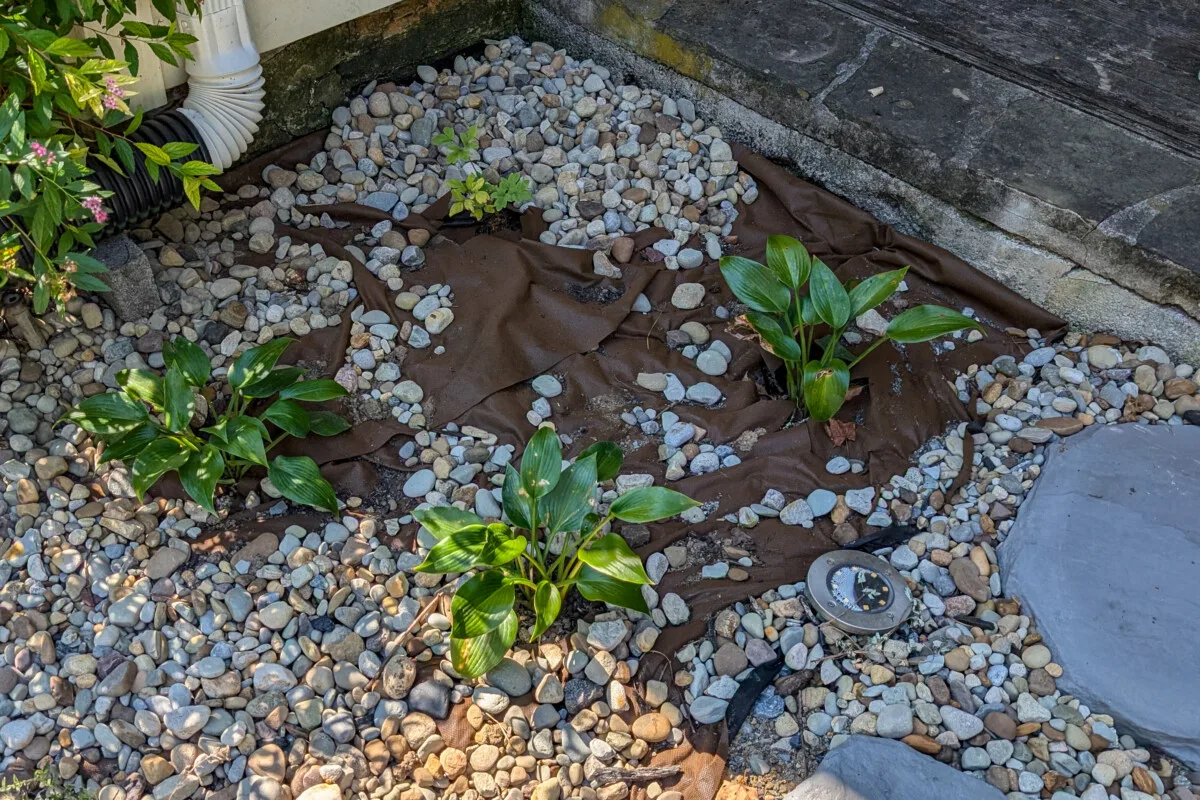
225, 82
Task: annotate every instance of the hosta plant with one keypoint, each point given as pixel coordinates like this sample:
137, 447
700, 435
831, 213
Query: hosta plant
151, 424
555, 539
793, 295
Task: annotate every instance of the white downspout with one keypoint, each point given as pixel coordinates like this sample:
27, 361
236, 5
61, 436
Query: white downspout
225, 82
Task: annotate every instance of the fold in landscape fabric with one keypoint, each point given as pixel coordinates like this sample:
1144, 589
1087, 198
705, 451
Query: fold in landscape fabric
523, 308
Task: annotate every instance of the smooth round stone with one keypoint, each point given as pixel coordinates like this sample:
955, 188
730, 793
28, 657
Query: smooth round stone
712, 363
420, 483
688, 296
547, 386
822, 501
690, 258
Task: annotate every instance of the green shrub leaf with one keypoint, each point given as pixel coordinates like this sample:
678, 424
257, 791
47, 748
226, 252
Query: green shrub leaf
144, 385
189, 359
829, 298
289, 416
923, 323
327, 423
473, 657
515, 498
158, 457
789, 259
109, 413
241, 438
298, 478
825, 388
481, 604
441, 521
874, 290
565, 508
598, 587
609, 459
200, 474
775, 339
547, 602
541, 463
274, 382
612, 556
129, 446
180, 402
755, 285
650, 504
253, 365
313, 391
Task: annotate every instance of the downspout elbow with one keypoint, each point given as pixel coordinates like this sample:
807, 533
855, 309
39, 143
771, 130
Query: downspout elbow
225, 82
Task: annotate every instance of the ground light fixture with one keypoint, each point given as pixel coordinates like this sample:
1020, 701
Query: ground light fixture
858, 592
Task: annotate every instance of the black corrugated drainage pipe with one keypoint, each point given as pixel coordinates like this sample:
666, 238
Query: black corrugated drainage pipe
135, 196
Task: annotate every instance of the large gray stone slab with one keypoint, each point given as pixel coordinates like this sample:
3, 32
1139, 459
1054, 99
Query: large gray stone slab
867, 768
1106, 555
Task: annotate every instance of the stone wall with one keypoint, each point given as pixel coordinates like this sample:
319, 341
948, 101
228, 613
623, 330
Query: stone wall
307, 79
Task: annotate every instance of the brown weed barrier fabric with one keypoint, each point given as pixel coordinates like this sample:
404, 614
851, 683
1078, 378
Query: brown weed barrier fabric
523, 308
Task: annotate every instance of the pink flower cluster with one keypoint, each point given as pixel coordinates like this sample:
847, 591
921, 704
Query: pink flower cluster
114, 93
95, 205
41, 152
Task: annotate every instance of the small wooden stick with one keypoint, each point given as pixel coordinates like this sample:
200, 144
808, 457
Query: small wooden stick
609, 775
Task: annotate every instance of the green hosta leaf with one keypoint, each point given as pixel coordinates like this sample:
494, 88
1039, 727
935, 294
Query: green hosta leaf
874, 290
274, 382
923, 323
830, 301
491, 545
189, 359
200, 474
825, 388
515, 499
289, 416
565, 508
327, 423
598, 587
789, 259
608, 459
443, 521
481, 605
144, 385
253, 365
106, 414
612, 556
775, 339
541, 463
158, 457
457, 552
298, 478
313, 391
473, 657
755, 285
808, 312
243, 438
180, 402
501, 546
547, 602
130, 446
650, 504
